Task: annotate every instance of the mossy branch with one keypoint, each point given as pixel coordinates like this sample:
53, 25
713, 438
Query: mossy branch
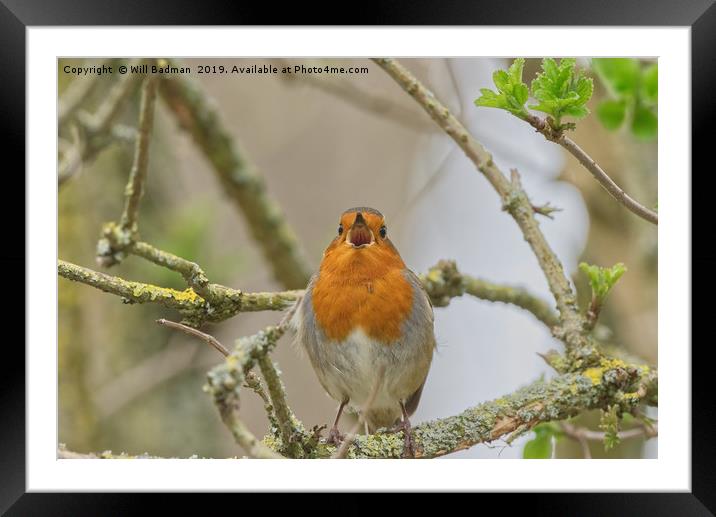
614, 383
443, 282
137, 176
245, 186
224, 383
119, 239
188, 303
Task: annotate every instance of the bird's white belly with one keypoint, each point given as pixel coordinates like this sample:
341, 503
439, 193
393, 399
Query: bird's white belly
355, 366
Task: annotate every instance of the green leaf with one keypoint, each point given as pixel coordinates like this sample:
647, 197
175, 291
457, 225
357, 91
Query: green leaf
540, 447
612, 113
511, 92
620, 75
645, 123
602, 279
561, 91
650, 84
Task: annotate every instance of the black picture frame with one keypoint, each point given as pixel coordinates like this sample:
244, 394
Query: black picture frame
17, 15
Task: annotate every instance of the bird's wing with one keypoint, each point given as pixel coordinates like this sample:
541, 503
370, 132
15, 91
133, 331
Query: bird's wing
415, 281
412, 403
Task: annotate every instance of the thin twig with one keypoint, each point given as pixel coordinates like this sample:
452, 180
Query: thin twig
593, 167
207, 338
252, 380
138, 174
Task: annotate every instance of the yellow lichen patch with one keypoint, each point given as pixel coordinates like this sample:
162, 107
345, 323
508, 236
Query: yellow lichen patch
594, 375
632, 397
609, 363
501, 402
187, 295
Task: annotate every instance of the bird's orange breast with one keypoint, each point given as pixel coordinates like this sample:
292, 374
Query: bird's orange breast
362, 289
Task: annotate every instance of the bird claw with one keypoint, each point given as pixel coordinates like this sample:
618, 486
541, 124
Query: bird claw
335, 437
408, 444
407, 430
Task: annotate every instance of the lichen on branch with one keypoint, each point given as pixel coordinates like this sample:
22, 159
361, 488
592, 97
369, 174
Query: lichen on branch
443, 282
615, 383
188, 303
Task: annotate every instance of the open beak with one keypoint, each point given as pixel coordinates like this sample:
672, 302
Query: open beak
360, 236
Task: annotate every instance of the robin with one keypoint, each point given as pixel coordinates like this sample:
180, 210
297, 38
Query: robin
366, 324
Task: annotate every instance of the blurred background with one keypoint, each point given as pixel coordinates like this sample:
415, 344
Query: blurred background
324, 143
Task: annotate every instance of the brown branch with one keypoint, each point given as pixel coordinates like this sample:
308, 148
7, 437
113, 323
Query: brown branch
593, 167
135, 187
207, 338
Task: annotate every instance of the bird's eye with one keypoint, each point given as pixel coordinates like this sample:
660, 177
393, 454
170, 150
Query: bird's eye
340, 229
383, 232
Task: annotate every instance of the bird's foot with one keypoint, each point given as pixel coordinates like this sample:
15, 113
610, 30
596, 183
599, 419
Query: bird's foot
407, 430
409, 444
334, 436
